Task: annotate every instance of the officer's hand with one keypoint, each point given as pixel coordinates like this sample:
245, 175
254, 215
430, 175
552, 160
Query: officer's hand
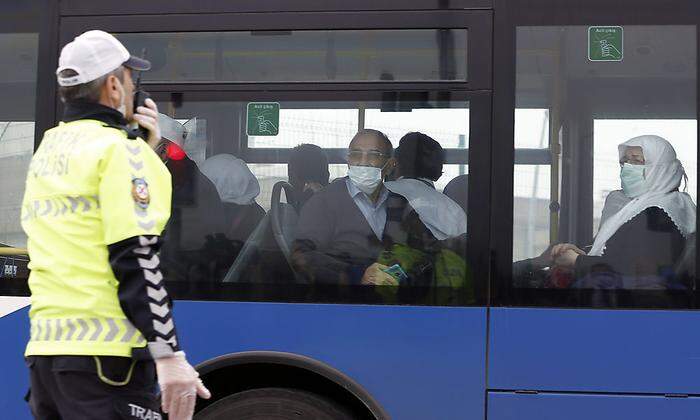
147, 117
179, 386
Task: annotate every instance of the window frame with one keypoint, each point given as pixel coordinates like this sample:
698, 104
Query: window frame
510, 14
477, 23
137, 7
477, 90
46, 13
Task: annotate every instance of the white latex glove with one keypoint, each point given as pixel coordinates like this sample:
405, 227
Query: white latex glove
179, 386
147, 117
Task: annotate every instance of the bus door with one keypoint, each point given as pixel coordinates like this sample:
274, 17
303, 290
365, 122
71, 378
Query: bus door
606, 327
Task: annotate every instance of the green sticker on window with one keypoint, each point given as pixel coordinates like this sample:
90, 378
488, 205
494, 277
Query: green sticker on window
605, 43
263, 119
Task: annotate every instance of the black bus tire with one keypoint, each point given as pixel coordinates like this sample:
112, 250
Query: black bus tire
277, 403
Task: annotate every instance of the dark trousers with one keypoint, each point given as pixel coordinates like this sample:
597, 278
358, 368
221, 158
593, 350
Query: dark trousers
86, 387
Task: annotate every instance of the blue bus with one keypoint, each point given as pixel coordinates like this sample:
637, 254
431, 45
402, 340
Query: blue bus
528, 100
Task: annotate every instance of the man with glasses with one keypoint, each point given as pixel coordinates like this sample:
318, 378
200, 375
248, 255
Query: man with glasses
343, 228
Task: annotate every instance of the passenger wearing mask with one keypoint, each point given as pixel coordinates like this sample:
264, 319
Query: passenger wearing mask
307, 171
197, 217
643, 230
342, 227
237, 188
419, 164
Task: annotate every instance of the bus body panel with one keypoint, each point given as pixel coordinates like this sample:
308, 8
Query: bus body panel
631, 351
14, 376
423, 362
426, 362
510, 406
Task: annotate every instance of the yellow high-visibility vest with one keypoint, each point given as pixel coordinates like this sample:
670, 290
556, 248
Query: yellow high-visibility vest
88, 186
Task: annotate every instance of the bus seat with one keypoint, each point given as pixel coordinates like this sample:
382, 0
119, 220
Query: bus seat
283, 217
274, 235
248, 253
685, 268
457, 189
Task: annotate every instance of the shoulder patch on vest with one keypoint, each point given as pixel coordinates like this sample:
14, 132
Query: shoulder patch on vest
139, 191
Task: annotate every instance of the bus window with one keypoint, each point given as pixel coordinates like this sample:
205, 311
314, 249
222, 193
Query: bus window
238, 220
605, 177
306, 56
16, 128
19, 45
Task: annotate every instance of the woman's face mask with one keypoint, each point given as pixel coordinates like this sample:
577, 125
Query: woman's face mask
632, 179
366, 178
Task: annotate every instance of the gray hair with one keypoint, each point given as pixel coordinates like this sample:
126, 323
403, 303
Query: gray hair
88, 92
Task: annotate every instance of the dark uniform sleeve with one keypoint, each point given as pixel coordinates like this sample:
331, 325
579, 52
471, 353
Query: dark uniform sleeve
142, 296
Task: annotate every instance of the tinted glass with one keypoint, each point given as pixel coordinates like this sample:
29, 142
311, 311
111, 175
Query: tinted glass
627, 210
304, 56
281, 224
18, 71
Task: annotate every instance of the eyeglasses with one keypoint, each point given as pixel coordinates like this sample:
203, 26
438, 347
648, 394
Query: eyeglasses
360, 156
632, 161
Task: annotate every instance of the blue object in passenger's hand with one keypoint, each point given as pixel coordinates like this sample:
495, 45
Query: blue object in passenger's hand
397, 272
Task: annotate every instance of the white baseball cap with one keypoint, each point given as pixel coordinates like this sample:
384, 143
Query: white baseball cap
92, 55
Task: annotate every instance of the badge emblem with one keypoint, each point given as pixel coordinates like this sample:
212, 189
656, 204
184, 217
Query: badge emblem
139, 191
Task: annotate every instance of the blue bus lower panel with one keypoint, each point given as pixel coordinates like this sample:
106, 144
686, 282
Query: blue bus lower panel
14, 376
508, 406
417, 362
655, 352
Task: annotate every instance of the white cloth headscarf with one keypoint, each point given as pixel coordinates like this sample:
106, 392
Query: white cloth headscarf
614, 202
438, 212
233, 179
663, 174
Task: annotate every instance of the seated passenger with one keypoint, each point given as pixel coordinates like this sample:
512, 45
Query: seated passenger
643, 233
458, 190
341, 228
197, 216
419, 164
307, 171
433, 250
237, 188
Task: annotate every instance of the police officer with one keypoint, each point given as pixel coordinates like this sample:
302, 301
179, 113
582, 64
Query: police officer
97, 199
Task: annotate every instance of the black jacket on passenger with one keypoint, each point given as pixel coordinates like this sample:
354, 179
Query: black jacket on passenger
649, 244
195, 242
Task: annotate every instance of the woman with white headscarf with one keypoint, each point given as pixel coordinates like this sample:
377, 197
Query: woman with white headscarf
238, 188
644, 228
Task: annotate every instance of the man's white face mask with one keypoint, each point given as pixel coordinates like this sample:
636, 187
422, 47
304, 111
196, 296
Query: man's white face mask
366, 178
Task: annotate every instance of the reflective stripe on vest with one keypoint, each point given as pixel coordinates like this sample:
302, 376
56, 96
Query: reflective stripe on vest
105, 330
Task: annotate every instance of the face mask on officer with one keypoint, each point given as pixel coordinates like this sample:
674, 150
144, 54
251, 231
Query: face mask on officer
122, 106
120, 97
